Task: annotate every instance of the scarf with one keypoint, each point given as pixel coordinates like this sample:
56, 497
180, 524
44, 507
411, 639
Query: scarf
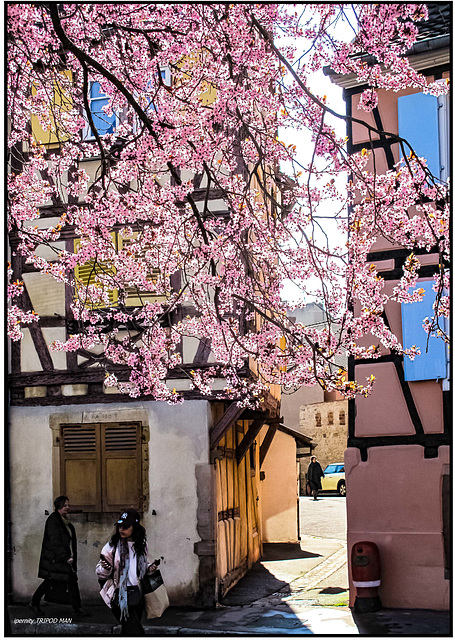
141, 564
66, 522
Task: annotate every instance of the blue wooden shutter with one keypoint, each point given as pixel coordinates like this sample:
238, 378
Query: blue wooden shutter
103, 123
418, 124
429, 365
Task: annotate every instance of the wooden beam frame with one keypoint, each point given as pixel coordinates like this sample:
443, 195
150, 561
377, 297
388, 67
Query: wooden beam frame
249, 438
37, 335
232, 413
265, 446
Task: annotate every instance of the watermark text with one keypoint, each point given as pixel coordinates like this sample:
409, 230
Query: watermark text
43, 620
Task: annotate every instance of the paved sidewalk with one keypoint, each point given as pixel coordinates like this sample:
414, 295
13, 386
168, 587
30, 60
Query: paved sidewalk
294, 590
238, 621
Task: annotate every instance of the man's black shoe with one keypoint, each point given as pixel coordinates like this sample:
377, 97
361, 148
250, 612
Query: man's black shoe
80, 613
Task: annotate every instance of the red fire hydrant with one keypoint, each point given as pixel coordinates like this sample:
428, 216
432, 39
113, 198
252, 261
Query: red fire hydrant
366, 576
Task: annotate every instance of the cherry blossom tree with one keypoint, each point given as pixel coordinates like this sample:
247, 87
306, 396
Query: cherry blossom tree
199, 93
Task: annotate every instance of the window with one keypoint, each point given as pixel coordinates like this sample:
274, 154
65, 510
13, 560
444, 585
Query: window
101, 468
151, 89
166, 75
87, 274
318, 420
334, 468
342, 416
431, 364
136, 296
330, 417
102, 122
431, 140
60, 103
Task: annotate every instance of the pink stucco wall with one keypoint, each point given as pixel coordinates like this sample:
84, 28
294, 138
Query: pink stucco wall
394, 499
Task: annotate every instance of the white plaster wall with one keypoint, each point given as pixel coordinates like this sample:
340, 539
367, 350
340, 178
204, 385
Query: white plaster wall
279, 490
31, 492
46, 293
51, 334
178, 442
29, 357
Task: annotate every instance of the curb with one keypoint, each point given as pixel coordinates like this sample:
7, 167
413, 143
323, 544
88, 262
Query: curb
59, 629
87, 629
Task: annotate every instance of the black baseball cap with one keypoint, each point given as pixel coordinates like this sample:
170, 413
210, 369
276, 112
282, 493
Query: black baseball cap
129, 517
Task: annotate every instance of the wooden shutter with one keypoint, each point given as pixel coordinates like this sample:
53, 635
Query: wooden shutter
136, 297
418, 124
62, 103
121, 471
81, 466
431, 364
103, 123
85, 274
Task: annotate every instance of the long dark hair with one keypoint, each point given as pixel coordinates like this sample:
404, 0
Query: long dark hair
139, 538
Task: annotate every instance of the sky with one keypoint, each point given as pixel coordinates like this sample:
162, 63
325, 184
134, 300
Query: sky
321, 85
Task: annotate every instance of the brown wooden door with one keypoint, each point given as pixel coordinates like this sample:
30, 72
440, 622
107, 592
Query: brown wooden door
238, 531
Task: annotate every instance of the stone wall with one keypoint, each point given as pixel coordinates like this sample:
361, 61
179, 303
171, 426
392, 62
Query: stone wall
327, 424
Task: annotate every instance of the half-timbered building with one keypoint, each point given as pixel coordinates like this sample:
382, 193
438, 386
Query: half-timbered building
192, 470
398, 455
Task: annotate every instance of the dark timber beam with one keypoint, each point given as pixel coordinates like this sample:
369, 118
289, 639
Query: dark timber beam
249, 438
233, 413
203, 351
37, 335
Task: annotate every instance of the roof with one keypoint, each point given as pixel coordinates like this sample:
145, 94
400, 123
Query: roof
438, 23
433, 39
300, 437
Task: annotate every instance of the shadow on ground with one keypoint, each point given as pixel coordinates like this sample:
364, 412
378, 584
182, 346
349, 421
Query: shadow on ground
404, 622
332, 590
259, 582
285, 551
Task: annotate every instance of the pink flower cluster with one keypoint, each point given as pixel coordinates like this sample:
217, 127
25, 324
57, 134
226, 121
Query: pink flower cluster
158, 259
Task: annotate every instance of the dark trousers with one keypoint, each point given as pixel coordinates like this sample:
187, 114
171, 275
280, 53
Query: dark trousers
132, 625
73, 589
314, 486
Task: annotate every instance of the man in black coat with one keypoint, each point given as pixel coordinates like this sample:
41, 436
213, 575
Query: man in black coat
314, 475
58, 560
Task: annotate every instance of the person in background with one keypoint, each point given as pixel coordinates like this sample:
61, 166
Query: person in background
58, 560
314, 475
123, 563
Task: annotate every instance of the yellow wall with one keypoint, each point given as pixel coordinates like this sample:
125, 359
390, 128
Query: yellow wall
279, 490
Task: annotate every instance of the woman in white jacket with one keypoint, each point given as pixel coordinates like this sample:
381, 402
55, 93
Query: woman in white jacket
123, 563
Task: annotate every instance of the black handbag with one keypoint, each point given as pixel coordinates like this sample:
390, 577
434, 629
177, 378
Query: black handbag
58, 593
